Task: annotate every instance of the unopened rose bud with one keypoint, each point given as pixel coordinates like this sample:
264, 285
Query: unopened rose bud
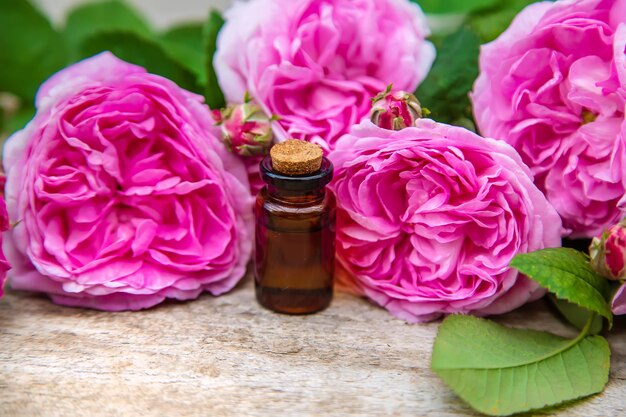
246, 129
395, 110
608, 252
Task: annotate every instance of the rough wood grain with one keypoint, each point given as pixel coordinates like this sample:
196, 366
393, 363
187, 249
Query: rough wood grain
227, 357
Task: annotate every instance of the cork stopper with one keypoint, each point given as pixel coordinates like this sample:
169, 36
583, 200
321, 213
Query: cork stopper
296, 157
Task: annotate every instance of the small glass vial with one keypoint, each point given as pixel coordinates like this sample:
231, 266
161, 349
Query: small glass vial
295, 230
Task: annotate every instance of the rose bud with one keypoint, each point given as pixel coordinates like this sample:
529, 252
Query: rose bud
608, 252
246, 129
395, 110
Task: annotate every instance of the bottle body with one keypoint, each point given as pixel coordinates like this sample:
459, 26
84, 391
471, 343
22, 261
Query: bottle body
294, 249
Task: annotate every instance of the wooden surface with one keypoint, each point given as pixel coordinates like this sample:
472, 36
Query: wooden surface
227, 357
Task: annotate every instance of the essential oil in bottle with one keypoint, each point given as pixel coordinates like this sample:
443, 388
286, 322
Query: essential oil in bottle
295, 230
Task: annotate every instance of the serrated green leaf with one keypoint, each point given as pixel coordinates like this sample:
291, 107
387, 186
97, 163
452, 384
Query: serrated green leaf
89, 19
213, 93
446, 89
141, 51
454, 6
30, 49
577, 316
501, 371
568, 274
185, 44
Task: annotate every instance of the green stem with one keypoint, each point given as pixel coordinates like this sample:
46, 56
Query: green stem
583, 333
568, 345
585, 330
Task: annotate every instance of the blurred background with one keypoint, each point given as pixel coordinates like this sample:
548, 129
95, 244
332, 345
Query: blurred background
161, 13
177, 39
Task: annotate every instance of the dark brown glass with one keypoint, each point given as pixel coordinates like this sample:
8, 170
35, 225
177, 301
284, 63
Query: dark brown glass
295, 241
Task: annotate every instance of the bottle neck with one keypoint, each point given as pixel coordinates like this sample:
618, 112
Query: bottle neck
296, 188
296, 197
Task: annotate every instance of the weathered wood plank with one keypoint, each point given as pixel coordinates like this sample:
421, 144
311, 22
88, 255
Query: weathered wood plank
227, 357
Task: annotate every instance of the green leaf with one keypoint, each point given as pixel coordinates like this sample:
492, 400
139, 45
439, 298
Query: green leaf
106, 16
30, 49
489, 24
568, 274
454, 6
185, 44
445, 92
501, 371
141, 51
577, 316
213, 93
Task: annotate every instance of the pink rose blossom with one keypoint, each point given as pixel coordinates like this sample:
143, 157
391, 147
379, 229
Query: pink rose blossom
429, 217
123, 193
316, 64
552, 86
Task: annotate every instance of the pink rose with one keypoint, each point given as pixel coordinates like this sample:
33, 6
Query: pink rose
123, 193
316, 64
429, 217
552, 86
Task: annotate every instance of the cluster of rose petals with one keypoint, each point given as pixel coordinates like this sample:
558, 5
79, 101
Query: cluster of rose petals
316, 64
429, 217
553, 86
122, 193
254, 173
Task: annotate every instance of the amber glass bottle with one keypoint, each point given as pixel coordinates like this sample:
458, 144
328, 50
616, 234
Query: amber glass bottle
295, 240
